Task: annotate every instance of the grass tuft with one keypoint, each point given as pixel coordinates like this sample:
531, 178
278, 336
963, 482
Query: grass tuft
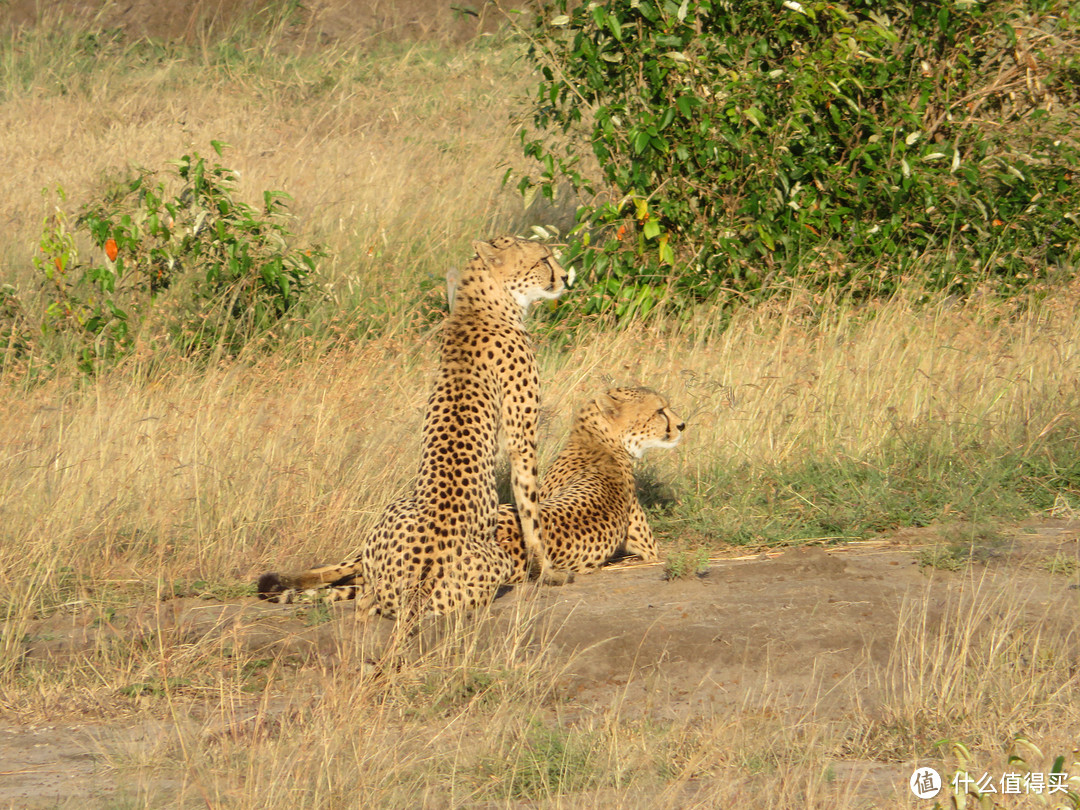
685, 565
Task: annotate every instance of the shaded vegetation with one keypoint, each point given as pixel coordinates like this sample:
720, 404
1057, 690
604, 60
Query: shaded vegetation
735, 148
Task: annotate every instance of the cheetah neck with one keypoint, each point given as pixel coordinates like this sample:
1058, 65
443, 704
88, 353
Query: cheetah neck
478, 295
590, 437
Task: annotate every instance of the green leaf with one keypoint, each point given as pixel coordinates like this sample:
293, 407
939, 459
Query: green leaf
667, 255
651, 229
641, 140
686, 104
648, 10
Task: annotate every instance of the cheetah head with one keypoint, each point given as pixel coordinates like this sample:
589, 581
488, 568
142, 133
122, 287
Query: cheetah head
641, 419
527, 270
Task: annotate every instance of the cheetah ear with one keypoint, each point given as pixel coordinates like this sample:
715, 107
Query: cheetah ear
453, 281
608, 406
487, 253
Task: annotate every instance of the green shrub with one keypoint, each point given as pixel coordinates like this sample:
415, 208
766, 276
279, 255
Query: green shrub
738, 146
209, 271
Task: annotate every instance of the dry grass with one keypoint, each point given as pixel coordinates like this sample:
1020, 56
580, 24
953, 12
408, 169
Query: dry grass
470, 715
979, 372
116, 489
113, 490
979, 668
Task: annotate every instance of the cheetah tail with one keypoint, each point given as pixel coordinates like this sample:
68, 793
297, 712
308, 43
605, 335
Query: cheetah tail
272, 583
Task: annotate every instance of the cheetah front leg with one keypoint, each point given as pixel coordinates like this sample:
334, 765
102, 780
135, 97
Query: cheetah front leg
527, 498
519, 424
639, 537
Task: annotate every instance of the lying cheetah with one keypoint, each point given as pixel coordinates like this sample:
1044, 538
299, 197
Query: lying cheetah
435, 549
588, 500
589, 507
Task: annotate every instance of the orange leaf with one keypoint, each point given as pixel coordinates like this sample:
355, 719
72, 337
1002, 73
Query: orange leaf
110, 249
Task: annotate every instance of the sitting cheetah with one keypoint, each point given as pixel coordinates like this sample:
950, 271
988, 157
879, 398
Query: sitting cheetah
588, 501
589, 508
435, 549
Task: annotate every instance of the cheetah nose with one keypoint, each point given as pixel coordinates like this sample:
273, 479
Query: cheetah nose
681, 427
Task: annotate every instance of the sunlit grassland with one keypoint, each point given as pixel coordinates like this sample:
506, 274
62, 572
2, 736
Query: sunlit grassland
393, 152
862, 420
808, 420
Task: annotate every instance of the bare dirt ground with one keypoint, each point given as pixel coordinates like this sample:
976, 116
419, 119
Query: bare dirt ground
790, 628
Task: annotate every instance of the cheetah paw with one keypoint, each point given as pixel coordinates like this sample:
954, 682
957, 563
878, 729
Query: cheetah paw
555, 578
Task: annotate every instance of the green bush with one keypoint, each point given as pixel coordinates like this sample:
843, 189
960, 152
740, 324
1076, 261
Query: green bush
182, 253
737, 146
